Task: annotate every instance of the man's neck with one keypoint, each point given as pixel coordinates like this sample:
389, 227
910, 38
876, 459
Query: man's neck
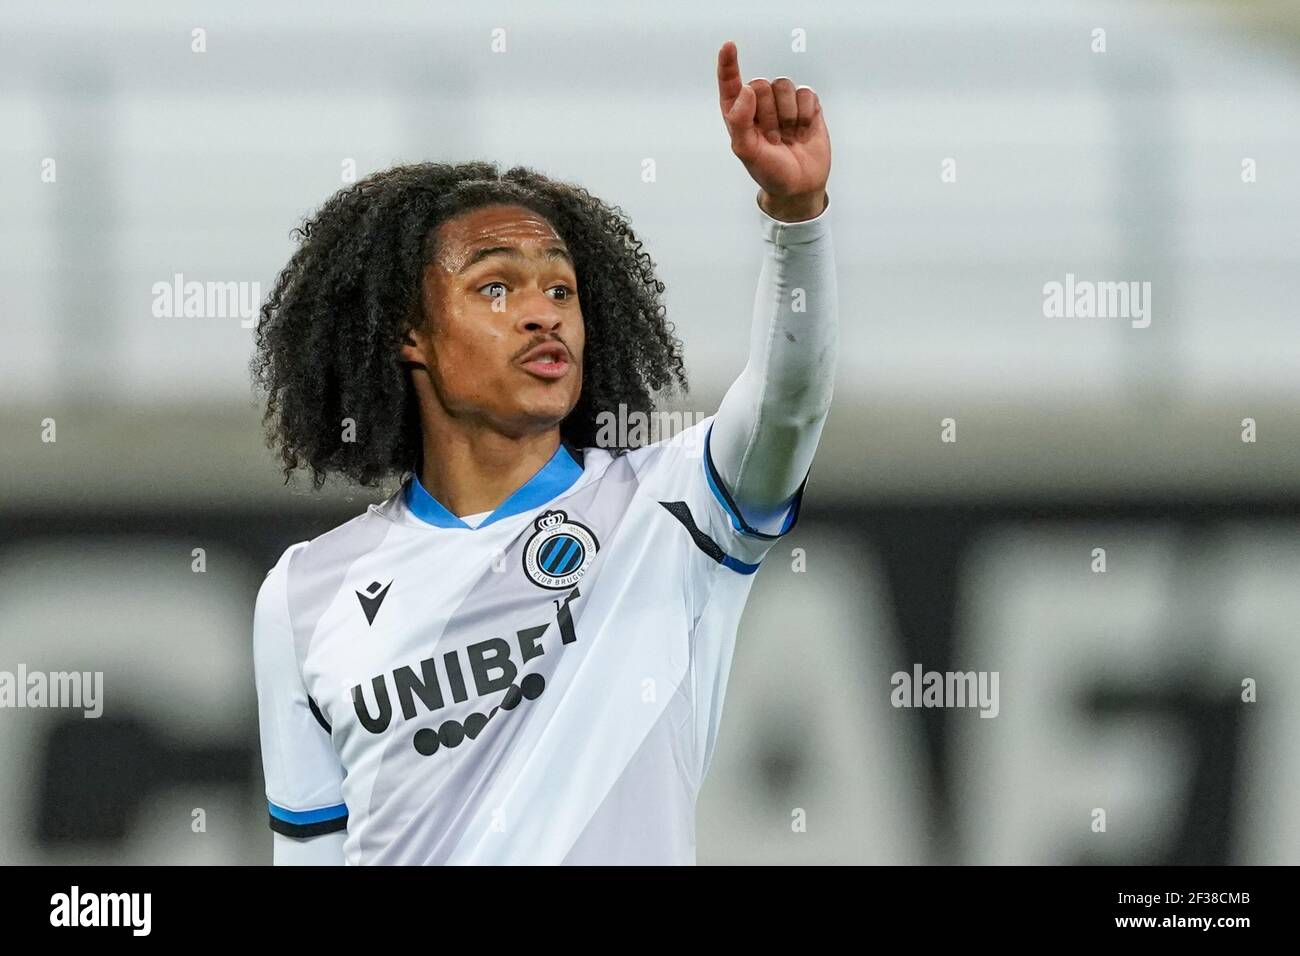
474, 470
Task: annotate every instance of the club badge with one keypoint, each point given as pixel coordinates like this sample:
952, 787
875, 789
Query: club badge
559, 551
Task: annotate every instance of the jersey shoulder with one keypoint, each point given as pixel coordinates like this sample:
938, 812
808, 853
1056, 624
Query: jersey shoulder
306, 562
684, 449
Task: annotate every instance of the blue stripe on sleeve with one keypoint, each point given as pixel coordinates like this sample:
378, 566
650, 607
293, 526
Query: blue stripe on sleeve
308, 816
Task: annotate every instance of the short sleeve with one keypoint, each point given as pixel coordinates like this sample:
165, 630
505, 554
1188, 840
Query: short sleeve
681, 474
302, 771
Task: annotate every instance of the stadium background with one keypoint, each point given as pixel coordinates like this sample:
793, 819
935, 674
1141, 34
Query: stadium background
1118, 690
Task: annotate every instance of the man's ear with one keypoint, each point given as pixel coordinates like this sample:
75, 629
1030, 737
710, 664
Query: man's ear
412, 351
417, 343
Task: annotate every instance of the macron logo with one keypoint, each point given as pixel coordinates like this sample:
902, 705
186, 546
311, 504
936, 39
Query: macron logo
372, 598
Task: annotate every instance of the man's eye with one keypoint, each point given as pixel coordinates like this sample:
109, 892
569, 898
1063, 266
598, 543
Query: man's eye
568, 293
494, 285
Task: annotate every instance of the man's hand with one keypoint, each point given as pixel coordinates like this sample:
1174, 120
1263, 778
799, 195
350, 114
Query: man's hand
778, 132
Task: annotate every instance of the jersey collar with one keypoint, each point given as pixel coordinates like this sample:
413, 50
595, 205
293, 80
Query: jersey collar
554, 478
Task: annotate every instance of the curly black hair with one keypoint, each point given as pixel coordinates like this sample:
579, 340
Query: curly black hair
329, 333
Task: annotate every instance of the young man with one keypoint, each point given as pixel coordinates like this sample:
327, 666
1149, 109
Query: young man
521, 656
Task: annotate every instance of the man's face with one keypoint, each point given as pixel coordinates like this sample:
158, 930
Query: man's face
503, 337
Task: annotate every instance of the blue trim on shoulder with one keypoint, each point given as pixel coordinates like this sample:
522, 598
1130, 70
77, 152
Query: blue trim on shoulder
682, 512
552, 479
308, 816
728, 505
740, 567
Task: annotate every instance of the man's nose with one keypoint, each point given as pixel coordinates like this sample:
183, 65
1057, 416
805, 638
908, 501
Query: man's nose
538, 313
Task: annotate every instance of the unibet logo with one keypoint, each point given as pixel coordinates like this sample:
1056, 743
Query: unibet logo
482, 659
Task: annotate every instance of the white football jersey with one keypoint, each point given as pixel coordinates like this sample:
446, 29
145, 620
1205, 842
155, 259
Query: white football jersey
543, 688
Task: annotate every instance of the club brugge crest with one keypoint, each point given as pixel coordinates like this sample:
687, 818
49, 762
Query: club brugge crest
559, 552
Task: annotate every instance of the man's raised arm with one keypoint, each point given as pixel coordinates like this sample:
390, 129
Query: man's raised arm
766, 430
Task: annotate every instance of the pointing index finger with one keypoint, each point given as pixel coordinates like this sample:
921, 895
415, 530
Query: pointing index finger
728, 76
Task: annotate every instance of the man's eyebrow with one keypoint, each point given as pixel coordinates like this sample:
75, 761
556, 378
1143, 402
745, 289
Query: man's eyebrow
511, 252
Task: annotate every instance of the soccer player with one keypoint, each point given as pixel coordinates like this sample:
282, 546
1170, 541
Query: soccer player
521, 656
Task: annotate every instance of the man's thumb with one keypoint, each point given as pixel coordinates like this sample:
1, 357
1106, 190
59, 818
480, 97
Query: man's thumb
742, 110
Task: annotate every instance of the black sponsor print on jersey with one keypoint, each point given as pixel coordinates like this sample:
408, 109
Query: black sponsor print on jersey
559, 552
371, 600
483, 658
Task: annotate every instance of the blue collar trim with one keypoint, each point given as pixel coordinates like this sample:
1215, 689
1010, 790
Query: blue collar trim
554, 478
